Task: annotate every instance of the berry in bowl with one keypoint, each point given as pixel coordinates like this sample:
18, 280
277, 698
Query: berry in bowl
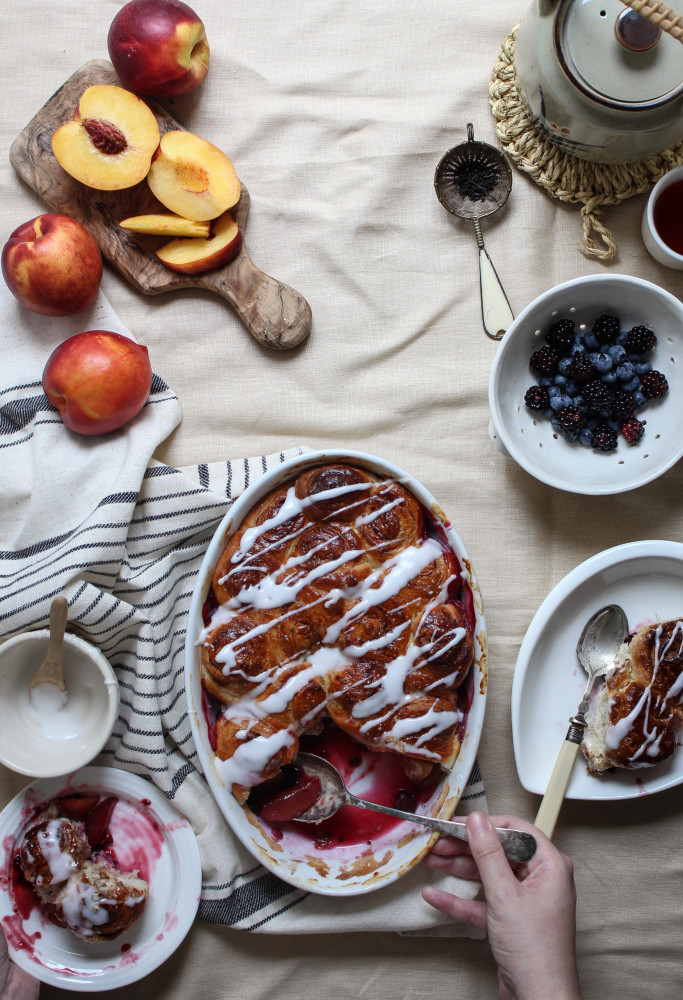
585, 390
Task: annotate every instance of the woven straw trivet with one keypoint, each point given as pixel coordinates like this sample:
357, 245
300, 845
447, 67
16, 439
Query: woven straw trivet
564, 176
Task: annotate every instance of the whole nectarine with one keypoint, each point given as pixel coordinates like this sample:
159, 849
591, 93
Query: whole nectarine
52, 265
158, 47
98, 380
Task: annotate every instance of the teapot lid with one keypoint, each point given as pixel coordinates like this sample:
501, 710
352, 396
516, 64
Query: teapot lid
615, 56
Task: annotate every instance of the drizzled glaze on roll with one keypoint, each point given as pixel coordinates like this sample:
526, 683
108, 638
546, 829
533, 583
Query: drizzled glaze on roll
638, 715
338, 599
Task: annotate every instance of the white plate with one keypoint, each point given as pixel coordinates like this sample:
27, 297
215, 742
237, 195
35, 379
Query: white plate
166, 841
646, 579
332, 872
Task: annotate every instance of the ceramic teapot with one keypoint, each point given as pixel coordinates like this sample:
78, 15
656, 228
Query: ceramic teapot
599, 80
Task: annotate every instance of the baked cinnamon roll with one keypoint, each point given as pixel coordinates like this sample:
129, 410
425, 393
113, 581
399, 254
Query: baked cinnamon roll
333, 601
637, 717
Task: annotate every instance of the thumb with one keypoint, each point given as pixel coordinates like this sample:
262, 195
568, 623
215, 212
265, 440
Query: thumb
488, 853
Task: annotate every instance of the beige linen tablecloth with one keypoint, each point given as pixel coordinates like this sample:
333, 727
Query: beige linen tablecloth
335, 116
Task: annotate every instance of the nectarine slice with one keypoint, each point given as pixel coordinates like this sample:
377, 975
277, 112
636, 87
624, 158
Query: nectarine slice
195, 256
109, 144
166, 224
192, 177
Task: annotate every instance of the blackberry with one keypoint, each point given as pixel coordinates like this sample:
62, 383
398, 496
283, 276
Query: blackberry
561, 334
623, 404
607, 328
653, 384
639, 340
632, 429
596, 395
537, 398
570, 420
544, 360
582, 368
605, 438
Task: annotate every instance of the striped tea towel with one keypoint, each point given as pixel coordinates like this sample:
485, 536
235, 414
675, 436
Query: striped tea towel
123, 537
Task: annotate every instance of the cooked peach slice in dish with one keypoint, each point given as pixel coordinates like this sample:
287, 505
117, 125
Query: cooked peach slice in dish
110, 142
192, 177
195, 256
165, 224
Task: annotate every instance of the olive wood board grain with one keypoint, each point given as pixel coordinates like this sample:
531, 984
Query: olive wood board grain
275, 314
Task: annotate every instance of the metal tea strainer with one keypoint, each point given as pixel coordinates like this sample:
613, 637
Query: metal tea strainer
471, 181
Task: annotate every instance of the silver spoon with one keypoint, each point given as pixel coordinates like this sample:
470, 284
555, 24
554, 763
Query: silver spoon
517, 844
473, 180
597, 648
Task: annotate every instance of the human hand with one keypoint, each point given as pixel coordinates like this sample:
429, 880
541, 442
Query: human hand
15, 984
529, 913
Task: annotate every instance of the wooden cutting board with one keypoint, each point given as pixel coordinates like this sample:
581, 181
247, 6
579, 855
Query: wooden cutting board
275, 314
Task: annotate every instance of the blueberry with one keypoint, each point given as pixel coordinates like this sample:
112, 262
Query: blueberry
578, 401
578, 349
602, 362
640, 400
609, 378
571, 387
643, 367
590, 341
625, 371
555, 424
571, 436
586, 437
553, 390
616, 353
560, 380
556, 403
545, 381
548, 413
632, 384
592, 423
621, 339
564, 366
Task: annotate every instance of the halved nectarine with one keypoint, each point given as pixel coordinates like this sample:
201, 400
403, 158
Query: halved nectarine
110, 142
166, 224
192, 177
195, 256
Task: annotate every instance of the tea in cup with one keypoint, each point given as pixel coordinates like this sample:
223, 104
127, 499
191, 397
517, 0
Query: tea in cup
662, 225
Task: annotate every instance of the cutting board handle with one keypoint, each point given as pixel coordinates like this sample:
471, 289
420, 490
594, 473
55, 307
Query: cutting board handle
276, 315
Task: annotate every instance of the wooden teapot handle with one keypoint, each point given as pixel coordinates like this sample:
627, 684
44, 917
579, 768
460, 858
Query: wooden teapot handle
666, 18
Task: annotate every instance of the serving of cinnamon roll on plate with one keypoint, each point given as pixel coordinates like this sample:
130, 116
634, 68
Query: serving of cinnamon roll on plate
338, 612
637, 718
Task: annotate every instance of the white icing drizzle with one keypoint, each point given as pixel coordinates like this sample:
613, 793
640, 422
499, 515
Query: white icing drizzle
60, 862
619, 730
274, 591
83, 908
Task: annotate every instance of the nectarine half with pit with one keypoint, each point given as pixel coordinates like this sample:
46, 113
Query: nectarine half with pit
111, 140
158, 47
165, 224
98, 380
192, 177
52, 265
196, 256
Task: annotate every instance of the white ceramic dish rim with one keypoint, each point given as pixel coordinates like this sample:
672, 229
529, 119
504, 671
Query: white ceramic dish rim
573, 581
181, 852
299, 873
97, 657
509, 441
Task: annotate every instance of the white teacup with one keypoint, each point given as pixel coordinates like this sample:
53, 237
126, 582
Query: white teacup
660, 250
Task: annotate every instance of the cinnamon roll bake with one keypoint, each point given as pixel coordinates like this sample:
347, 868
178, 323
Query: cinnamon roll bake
638, 715
339, 601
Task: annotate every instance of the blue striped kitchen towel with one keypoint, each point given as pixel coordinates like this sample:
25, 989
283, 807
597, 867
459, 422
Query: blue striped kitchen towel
123, 537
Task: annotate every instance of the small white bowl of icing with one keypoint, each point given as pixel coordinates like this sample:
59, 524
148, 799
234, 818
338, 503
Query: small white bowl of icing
48, 732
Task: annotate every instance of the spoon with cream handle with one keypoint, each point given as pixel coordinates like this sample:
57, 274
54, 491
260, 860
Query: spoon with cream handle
597, 648
51, 671
517, 844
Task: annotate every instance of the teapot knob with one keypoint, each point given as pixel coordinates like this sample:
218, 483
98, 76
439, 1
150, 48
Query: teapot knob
636, 33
